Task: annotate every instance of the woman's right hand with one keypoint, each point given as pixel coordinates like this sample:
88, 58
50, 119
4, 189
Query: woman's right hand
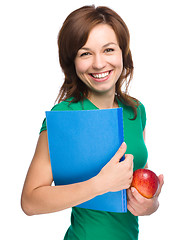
116, 175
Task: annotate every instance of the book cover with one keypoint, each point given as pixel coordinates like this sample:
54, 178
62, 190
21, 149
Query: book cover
81, 143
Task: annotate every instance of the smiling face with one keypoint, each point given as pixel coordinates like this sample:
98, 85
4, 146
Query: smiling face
99, 62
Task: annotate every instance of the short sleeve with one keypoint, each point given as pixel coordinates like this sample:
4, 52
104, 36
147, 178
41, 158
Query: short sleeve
58, 107
44, 127
143, 115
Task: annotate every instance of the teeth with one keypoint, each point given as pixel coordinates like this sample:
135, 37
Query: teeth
100, 75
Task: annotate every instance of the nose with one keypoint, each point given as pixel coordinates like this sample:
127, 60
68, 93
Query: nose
99, 62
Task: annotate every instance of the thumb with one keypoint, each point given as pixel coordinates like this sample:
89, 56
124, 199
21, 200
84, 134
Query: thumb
161, 182
119, 154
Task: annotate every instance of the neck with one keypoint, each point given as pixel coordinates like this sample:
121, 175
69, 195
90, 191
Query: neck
103, 101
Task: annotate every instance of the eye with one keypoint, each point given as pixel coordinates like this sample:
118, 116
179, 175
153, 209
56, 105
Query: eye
109, 50
84, 54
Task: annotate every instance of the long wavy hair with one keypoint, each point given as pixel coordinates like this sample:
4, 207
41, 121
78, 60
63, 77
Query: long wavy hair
74, 34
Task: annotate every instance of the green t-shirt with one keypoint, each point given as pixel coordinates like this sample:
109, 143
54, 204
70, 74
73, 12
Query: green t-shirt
99, 225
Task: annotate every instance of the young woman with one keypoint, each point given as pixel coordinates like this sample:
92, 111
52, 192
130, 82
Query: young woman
96, 60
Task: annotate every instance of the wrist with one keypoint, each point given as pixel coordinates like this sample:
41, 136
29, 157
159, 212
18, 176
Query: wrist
98, 186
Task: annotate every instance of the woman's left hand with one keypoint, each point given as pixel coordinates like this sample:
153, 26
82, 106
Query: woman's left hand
141, 206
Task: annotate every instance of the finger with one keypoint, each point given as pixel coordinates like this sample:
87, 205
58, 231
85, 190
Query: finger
129, 159
161, 182
129, 194
131, 199
131, 209
136, 195
119, 154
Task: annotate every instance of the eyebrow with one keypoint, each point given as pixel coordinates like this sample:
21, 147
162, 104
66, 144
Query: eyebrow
106, 45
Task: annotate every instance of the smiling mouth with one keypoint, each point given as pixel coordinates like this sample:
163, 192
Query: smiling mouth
100, 76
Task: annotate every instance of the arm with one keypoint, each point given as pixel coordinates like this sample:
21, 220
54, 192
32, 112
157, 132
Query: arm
139, 205
38, 196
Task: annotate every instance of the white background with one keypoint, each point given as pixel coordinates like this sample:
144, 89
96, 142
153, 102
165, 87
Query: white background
30, 78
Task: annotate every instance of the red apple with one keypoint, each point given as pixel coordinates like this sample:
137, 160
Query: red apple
146, 182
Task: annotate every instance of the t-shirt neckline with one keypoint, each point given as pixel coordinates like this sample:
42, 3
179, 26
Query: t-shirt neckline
86, 100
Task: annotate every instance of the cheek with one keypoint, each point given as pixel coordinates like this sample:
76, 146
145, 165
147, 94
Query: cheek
117, 61
81, 67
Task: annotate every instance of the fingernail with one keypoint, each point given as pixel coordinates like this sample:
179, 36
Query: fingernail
123, 145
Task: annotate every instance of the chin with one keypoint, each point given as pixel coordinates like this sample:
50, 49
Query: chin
104, 90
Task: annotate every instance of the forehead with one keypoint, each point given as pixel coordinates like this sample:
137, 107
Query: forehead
100, 35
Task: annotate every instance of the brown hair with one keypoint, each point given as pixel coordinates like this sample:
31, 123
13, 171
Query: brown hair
74, 34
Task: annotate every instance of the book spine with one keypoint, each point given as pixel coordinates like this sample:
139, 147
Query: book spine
124, 196
121, 136
121, 130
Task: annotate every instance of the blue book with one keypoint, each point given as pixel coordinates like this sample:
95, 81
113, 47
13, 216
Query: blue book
81, 143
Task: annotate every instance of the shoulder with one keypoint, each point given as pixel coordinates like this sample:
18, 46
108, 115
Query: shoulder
64, 105
142, 111
68, 105
141, 107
